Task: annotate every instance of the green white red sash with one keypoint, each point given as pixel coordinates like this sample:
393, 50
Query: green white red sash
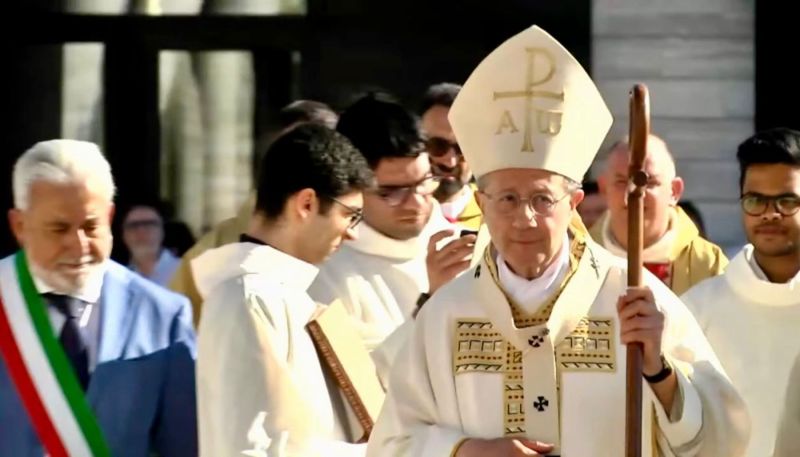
41, 372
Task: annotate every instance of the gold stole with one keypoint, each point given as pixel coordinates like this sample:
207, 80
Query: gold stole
514, 396
481, 346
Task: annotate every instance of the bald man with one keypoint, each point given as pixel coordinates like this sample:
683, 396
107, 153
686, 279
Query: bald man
673, 248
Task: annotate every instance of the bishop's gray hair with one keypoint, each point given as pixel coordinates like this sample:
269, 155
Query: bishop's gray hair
61, 161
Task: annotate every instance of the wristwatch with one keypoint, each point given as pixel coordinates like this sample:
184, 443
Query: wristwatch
661, 375
423, 297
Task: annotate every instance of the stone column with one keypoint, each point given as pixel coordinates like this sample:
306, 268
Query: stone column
82, 91
227, 92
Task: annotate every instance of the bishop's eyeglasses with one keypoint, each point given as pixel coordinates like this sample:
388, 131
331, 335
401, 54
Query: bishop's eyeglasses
507, 203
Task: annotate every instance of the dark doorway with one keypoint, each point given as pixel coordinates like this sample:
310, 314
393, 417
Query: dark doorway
335, 51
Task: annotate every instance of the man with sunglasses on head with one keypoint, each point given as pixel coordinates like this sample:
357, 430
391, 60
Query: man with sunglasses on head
456, 190
381, 276
260, 385
751, 313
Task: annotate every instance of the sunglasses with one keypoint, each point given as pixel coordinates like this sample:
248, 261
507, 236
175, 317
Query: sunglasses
438, 147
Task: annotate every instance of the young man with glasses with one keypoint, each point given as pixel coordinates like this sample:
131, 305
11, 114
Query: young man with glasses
456, 191
751, 313
228, 231
380, 276
524, 354
259, 379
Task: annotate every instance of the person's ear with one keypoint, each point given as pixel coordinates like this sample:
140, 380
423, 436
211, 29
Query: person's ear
304, 204
677, 189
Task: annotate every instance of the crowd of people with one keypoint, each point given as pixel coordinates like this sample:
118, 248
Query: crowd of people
478, 264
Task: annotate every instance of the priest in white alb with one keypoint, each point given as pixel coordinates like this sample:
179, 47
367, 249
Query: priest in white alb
751, 313
261, 387
393, 263
525, 353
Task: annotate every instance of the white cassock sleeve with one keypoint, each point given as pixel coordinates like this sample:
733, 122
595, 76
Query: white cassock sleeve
410, 423
709, 418
244, 371
788, 441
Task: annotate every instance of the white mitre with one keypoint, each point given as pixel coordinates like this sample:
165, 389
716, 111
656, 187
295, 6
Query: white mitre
530, 104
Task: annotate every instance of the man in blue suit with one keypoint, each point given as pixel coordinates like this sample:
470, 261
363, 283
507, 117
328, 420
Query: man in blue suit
130, 344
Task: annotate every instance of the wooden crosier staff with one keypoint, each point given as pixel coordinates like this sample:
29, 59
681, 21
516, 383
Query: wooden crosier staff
639, 131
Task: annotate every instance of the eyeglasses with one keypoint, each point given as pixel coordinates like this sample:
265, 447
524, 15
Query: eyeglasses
757, 204
356, 214
509, 202
438, 147
397, 195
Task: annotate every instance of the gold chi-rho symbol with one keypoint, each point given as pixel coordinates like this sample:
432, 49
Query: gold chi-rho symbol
547, 121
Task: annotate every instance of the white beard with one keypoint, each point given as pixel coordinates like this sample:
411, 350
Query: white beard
63, 284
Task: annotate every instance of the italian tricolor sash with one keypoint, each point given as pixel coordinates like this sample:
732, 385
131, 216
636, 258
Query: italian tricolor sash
40, 369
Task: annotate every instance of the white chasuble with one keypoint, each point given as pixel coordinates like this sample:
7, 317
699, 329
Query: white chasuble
479, 366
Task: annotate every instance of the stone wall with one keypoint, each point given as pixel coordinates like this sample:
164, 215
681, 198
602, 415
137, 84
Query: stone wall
697, 58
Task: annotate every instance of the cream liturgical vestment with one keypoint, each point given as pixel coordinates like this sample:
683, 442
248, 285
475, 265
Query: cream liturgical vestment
788, 442
377, 278
752, 324
260, 386
479, 366
681, 258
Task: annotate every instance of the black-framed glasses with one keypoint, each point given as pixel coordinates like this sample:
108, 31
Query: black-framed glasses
506, 203
396, 195
356, 214
756, 204
438, 147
